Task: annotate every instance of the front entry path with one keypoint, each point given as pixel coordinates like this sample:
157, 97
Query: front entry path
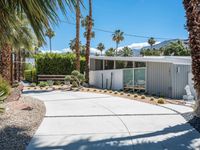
87, 121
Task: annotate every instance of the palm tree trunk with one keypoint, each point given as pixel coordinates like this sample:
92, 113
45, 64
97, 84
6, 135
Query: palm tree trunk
50, 44
193, 22
23, 63
20, 65
15, 66
89, 29
77, 47
6, 62
116, 48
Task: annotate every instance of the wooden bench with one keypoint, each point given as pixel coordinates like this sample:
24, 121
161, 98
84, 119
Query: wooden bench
51, 77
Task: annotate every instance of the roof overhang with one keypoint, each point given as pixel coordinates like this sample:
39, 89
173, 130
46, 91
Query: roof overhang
160, 59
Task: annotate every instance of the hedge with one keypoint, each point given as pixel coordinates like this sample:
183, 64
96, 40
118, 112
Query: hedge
30, 75
57, 64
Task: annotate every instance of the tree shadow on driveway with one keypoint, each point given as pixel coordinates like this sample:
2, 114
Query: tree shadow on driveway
179, 137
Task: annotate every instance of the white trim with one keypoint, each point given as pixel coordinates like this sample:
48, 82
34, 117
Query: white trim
160, 59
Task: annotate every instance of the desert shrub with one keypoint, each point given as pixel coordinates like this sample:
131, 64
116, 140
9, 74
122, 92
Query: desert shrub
43, 84
128, 94
161, 101
68, 78
74, 84
57, 82
143, 97
152, 98
50, 82
33, 84
57, 64
105, 91
121, 93
135, 95
77, 77
115, 92
4, 91
4, 88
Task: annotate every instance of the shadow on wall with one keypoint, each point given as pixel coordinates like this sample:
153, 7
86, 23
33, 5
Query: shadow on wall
179, 137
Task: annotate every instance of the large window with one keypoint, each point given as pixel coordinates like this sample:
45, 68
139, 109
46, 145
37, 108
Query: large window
98, 64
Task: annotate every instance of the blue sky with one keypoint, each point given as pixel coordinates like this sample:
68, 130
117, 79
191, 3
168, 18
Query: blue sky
156, 18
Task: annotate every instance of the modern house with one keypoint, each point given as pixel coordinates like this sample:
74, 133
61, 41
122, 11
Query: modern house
158, 75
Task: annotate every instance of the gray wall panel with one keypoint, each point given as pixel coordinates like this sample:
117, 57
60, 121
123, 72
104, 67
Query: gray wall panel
159, 79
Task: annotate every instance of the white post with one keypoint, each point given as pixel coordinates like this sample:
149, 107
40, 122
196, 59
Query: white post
114, 64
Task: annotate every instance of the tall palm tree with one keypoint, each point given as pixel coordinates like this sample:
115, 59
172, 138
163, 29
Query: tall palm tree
39, 13
72, 45
193, 21
89, 30
50, 33
151, 42
77, 46
101, 47
19, 36
84, 23
118, 36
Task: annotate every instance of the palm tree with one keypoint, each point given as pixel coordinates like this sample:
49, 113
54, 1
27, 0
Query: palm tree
110, 52
84, 23
39, 15
72, 45
19, 36
193, 21
89, 30
77, 45
118, 36
151, 41
50, 33
101, 47
126, 52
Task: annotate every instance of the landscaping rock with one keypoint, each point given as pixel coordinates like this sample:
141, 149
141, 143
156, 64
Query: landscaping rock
17, 126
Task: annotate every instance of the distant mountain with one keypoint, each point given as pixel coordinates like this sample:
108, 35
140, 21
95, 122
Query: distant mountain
165, 43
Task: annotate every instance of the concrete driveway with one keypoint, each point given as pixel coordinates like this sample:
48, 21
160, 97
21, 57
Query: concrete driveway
87, 121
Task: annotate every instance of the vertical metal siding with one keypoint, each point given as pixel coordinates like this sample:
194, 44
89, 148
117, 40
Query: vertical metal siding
92, 64
159, 79
179, 80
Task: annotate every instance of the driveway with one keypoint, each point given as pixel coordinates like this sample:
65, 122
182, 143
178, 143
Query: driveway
87, 121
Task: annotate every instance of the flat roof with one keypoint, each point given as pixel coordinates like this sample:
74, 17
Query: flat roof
162, 59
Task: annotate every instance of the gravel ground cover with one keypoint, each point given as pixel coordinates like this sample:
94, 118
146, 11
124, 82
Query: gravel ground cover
19, 122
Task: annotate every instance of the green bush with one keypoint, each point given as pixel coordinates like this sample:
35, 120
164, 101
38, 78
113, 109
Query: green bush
28, 66
30, 75
57, 64
33, 85
4, 88
68, 78
43, 84
57, 83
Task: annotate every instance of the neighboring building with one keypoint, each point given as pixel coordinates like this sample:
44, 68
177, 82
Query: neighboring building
160, 75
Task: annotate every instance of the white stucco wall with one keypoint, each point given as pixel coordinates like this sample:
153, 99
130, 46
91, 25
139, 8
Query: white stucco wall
96, 78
